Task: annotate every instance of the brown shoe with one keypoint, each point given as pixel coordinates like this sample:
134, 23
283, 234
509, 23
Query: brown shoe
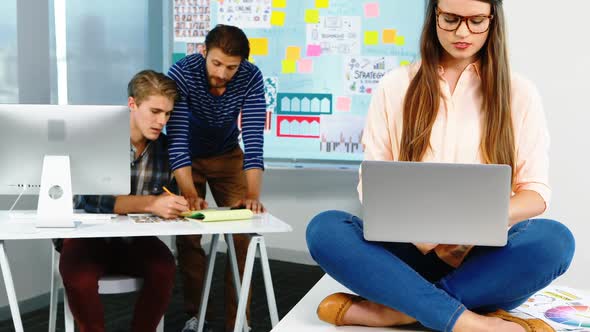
333, 307
530, 325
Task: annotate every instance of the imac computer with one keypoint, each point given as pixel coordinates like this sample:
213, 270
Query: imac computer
57, 151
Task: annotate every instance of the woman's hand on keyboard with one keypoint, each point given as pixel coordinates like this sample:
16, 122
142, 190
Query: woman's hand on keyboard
169, 207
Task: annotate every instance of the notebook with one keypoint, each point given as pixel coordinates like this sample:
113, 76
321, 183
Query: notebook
211, 215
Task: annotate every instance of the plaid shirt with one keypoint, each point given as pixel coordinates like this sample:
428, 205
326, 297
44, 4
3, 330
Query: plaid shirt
149, 173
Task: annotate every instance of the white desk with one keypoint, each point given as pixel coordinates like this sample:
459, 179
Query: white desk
23, 229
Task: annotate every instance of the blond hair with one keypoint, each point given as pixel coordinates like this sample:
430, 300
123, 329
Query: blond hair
148, 83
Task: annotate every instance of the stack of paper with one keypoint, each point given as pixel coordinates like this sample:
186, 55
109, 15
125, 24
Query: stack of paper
564, 308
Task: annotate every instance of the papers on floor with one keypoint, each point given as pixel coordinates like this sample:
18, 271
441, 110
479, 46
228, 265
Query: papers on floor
564, 308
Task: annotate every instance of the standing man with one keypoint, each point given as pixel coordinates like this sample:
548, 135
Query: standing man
84, 261
204, 147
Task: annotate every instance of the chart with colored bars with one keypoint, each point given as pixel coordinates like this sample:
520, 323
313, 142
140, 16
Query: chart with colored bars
321, 61
564, 308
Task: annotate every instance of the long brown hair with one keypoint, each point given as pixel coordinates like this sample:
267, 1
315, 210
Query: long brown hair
422, 100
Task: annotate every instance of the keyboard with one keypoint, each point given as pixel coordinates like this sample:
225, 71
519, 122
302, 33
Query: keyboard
77, 216
94, 216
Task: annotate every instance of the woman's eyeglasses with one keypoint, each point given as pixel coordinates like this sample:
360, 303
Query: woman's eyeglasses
451, 22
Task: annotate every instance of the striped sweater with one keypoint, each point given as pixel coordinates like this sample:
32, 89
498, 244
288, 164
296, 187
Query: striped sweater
204, 125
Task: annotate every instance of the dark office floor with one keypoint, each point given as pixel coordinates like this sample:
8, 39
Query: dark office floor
291, 282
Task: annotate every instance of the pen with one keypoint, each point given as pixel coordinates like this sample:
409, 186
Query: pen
168, 191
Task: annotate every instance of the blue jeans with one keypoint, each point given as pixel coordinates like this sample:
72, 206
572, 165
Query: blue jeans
399, 276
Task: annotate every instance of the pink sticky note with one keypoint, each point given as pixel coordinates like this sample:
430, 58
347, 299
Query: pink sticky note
314, 50
343, 104
372, 9
305, 66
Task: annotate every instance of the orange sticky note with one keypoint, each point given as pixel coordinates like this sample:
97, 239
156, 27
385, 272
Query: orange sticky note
277, 18
389, 36
322, 3
279, 3
258, 46
293, 53
371, 37
400, 40
312, 16
289, 66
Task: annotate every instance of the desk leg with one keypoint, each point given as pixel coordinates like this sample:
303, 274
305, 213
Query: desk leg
55, 281
9, 285
246, 279
229, 240
270, 293
207, 282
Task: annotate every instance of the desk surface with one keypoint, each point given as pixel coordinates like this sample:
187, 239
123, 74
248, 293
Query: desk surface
24, 229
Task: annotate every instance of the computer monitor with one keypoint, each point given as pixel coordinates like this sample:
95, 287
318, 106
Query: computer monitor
79, 149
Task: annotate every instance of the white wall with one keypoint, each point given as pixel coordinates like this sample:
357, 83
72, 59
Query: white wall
547, 45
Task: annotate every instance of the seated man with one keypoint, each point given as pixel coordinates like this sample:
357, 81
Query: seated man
84, 261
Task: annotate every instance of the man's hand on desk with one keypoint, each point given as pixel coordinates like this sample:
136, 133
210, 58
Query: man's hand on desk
252, 204
168, 207
194, 201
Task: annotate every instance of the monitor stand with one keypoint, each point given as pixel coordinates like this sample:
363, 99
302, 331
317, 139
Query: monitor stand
55, 194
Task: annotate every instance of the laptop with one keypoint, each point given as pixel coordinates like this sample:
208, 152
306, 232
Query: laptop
419, 202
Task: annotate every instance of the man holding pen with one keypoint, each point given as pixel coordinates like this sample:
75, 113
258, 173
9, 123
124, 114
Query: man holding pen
204, 147
84, 261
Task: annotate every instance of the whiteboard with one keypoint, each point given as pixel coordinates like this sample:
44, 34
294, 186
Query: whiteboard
321, 60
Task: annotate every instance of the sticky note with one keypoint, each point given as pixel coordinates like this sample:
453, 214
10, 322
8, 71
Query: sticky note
343, 104
404, 63
177, 56
400, 40
258, 46
289, 66
251, 59
277, 18
314, 50
371, 37
279, 3
312, 16
305, 66
389, 36
293, 53
372, 9
322, 3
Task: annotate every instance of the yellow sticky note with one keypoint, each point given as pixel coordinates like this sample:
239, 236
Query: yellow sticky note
293, 53
322, 3
279, 3
312, 16
371, 37
258, 46
289, 66
251, 59
389, 36
400, 40
277, 18
404, 63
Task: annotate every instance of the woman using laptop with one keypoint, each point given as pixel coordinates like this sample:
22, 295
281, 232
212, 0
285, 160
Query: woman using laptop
460, 104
